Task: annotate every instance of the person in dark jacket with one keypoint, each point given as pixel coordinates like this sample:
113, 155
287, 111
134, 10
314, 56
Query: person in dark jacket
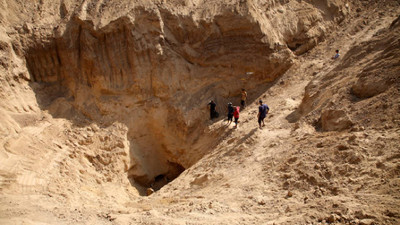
230, 113
263, 110
213, 109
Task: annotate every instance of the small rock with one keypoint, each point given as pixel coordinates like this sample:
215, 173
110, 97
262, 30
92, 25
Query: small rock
354, 129
296, 126
25, 76
149, 191
387, 126
360, 214
95, 127
366, 222
380, 165
352, 138
120, 144
289, 194
335, 120
342, 147
262, 202
390, 214
330, 219
27, 27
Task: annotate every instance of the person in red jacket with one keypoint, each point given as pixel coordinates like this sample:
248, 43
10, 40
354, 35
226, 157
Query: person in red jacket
236, 115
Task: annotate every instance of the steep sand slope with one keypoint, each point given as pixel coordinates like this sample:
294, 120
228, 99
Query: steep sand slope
329, 151
150, 65
291, 173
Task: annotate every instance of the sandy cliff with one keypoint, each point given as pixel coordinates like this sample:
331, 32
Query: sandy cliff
103, 99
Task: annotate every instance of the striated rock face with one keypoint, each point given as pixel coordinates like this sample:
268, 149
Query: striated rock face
154, 66
335, 120
345, 89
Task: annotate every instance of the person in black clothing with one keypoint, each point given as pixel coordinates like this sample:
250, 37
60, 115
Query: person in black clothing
230, 113
213, 111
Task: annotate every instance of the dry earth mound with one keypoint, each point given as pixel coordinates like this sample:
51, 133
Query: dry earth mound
104, 99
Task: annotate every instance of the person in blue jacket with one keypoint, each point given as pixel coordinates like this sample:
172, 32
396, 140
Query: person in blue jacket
263, 110
336, 55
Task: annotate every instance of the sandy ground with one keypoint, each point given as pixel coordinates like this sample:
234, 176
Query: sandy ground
74, 171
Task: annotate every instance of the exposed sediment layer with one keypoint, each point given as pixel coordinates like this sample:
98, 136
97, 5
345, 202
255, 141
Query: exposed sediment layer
153, 68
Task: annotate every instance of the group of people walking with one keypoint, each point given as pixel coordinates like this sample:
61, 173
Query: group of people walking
233, 111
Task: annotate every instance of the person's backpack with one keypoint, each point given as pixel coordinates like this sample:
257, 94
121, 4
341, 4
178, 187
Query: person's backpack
266, 108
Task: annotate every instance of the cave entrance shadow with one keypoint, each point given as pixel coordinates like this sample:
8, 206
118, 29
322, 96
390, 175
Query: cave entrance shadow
141, 189
55, 99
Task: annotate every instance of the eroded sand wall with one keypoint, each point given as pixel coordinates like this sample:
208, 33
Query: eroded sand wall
155, 67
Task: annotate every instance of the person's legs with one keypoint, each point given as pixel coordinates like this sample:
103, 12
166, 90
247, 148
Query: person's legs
259, 121
230, 119
213, 114
242, 103
236, 122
